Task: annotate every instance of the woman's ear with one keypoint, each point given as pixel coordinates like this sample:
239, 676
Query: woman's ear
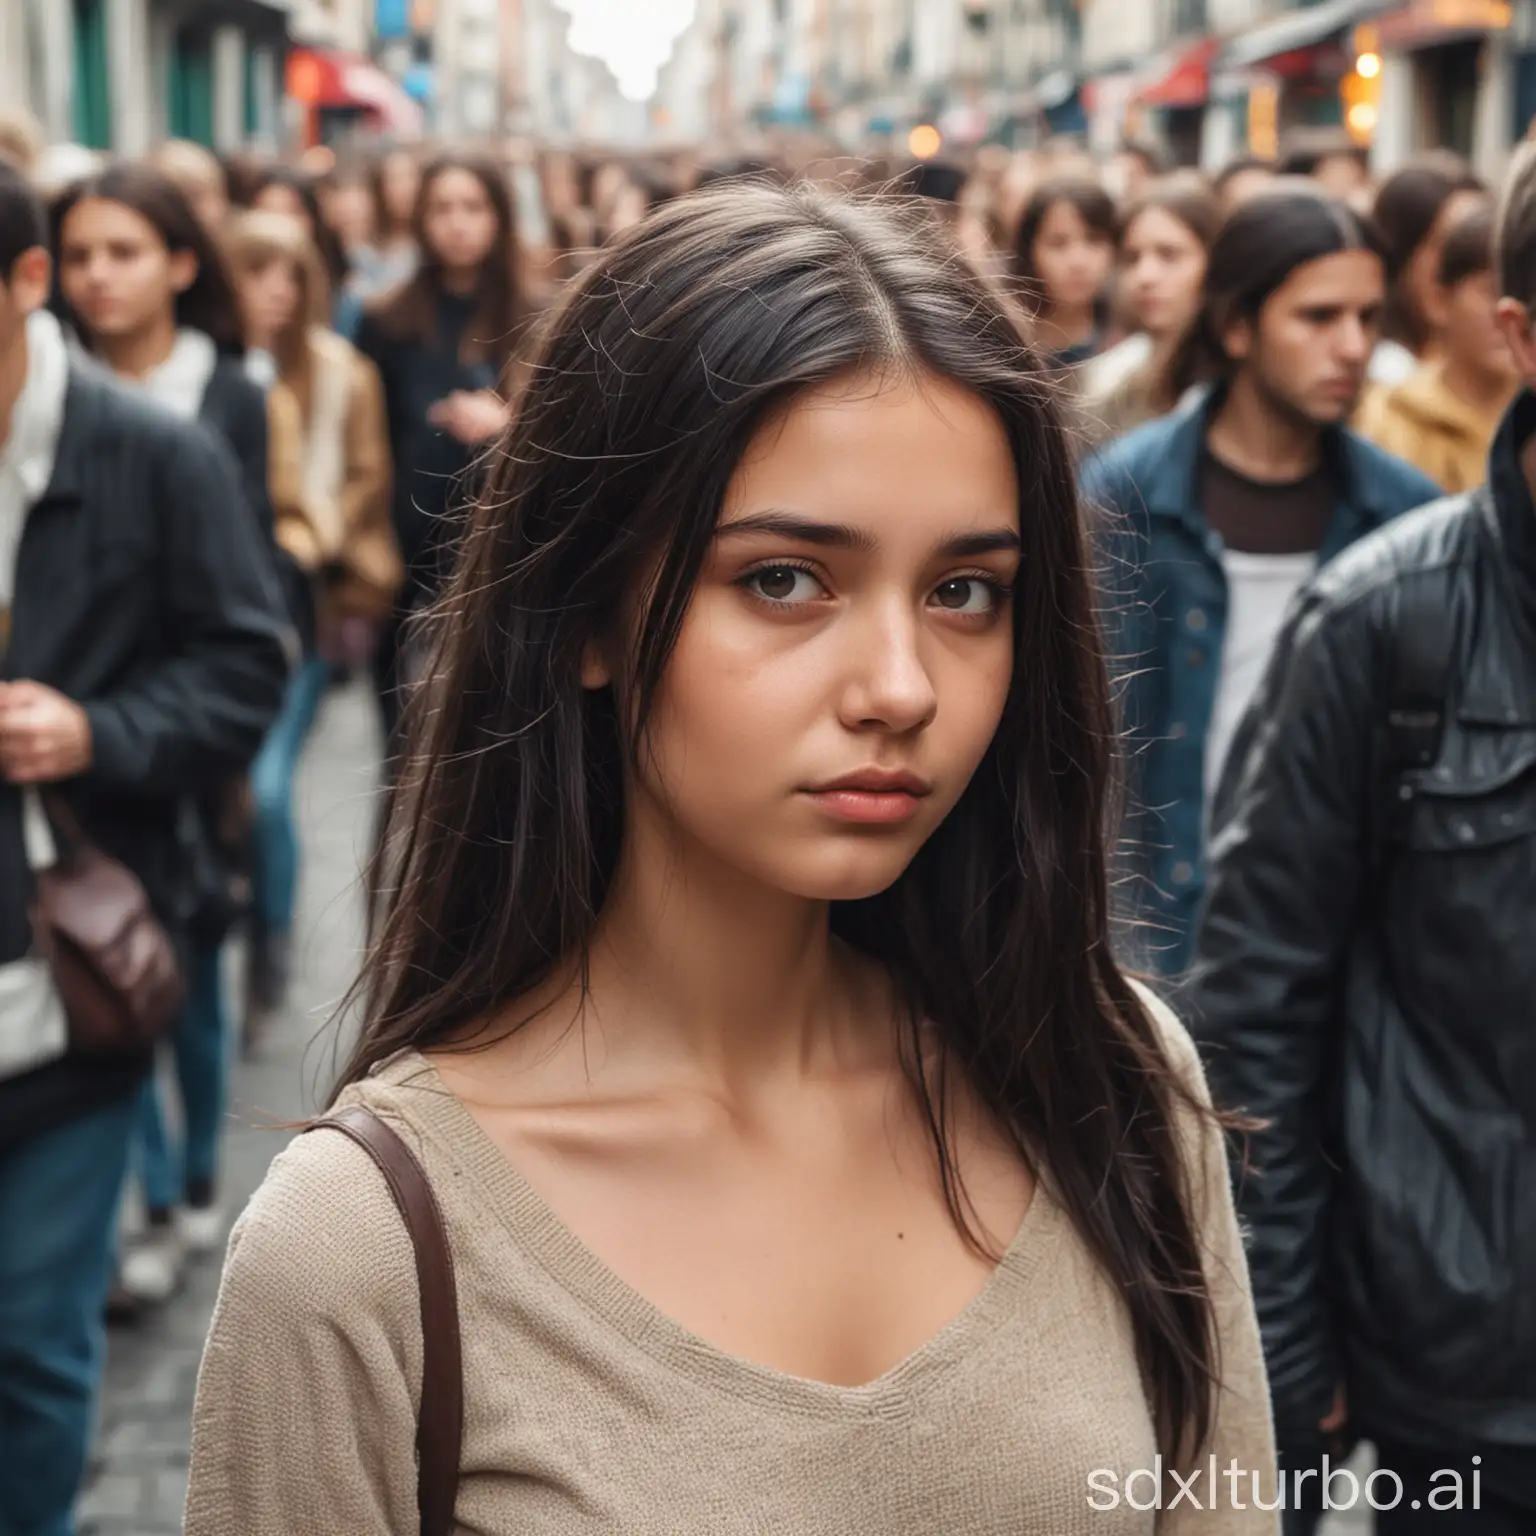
595, 670
183, 270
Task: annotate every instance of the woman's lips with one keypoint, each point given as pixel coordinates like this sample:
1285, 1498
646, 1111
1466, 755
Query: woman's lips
869, 807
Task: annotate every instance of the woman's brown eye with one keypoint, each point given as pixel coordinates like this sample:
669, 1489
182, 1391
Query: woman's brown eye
779, 582
970, 595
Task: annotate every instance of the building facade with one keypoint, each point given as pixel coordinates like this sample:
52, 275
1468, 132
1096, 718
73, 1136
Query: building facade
121, 74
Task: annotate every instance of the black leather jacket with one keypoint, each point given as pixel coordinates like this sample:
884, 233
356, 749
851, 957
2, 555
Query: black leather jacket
1380, 1012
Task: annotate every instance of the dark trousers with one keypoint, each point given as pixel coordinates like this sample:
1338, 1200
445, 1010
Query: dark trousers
1453, 1493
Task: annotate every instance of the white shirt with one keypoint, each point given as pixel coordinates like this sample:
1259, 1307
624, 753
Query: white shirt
33, 1029
1259, 590
37, 419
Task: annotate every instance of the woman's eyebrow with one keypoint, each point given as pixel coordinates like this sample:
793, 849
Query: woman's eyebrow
809, 530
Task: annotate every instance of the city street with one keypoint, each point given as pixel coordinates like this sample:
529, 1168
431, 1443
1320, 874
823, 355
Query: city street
139, 1476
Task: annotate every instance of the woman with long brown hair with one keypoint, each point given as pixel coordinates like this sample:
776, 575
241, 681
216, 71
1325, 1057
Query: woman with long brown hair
1165, 237
442, 342
743, 982
330, 482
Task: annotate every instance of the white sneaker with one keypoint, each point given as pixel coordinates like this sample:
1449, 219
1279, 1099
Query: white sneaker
151, 1269
202, 1229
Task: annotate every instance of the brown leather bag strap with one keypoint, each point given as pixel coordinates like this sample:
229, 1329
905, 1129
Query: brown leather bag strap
440, 1424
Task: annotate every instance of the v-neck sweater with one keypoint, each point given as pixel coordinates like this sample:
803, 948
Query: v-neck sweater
588, 1409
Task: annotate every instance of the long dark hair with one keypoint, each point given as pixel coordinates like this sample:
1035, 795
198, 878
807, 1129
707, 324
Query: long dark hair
651, 378
1094, 206
209, 304
1407, 208
1260, 244
411, 309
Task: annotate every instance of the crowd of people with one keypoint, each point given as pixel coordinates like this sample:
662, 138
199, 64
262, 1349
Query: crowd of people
614, 478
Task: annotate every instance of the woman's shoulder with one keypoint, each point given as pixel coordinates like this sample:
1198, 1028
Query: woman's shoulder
322, 1235
1178, 1045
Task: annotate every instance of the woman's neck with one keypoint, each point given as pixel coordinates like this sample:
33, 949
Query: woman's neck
698, 966
461, 282
134, 355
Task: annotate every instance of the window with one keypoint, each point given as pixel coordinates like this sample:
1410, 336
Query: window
190, 94
91, 102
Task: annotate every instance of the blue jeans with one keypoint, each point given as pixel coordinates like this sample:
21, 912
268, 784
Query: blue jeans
59, 1195
200, 1045
277, 843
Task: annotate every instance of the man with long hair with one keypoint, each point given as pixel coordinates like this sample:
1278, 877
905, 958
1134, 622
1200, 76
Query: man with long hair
1219, 512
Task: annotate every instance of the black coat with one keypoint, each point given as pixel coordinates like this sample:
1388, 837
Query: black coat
144, 591
432, 468
1380, 1011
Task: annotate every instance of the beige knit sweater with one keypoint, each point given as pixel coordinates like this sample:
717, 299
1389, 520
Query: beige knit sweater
589, 1411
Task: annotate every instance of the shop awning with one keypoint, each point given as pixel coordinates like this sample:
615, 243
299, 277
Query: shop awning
1181, 79
1305, 28
318, 77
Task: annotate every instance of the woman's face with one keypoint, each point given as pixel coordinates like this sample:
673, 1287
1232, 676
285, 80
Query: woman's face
400, 183
269, 298
1420, 275
459, 221
852, 618
1163, 272
277, 198
349, 211
1072, 260
115, 270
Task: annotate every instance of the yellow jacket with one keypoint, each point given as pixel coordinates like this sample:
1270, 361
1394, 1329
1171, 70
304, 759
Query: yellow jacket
1435, 431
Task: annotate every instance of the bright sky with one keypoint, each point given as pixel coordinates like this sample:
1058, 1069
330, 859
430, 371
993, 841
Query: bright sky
634, 37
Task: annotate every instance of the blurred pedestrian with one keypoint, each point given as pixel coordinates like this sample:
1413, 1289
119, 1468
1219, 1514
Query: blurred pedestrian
1219, 512
743, 983
1444, 418
200, 176
1243, 177
1331, 158
148, 292
141, 659
1414, 209
396, 188
1165, 239
330, 483
287, 191
1064, 253
1367, 986
442, 343
21, 139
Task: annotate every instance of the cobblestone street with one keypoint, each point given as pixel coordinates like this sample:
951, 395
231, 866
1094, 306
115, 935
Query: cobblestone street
139, 1475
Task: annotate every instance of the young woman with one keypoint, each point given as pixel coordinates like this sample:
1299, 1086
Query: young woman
1444, 419
1414, 209
744, 978
442, 342
145, 289
330, 480
290, 192
1165, 237
394, 184
1064, 251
